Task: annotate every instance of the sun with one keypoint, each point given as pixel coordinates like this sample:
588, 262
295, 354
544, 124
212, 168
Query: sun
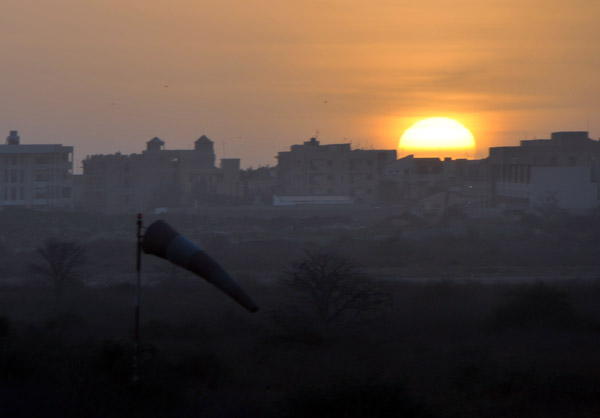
437, 134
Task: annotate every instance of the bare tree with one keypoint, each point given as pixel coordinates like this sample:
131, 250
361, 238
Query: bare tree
333, 288
61, 261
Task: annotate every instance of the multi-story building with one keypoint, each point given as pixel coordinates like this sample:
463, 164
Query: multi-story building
157, 178
229, 183
565, 167
259, 185
38, 176
410, 180
312, 169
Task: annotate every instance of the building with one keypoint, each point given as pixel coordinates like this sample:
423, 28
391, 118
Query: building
312, 169
310, 200
565, 167
157, 178
571, 187
259, 185
414, 181
228, 181
36, 176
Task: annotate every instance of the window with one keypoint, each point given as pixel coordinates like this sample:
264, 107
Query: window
41, 175
41, 194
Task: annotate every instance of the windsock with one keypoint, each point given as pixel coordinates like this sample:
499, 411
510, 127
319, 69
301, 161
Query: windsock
161, 240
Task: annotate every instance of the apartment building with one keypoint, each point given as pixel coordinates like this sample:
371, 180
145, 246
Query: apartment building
37, 176
312, 169
156, 178
411, 180
565, 167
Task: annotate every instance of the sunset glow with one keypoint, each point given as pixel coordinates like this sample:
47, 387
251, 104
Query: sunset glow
119, 73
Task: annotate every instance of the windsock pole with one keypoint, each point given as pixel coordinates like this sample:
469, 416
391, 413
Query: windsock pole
138, 293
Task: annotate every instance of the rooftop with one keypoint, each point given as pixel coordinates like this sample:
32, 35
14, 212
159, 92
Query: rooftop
34, 149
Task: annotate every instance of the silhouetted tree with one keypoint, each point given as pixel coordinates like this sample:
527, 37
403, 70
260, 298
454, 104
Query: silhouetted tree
61, 261
333, 288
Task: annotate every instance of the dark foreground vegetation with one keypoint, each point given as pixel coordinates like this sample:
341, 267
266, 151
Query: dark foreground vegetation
447, 317
440, 349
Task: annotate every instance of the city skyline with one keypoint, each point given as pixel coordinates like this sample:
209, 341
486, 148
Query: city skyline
107, 77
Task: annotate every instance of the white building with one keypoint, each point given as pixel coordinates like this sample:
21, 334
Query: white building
564, 167
571, 186
35, 176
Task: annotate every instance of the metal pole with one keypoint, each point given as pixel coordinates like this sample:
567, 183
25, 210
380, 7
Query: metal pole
138, 292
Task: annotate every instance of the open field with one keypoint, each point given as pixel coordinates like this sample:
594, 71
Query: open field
439, 349
496, 319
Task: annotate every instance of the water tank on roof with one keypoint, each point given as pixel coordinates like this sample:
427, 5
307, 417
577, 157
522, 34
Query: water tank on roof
13, 138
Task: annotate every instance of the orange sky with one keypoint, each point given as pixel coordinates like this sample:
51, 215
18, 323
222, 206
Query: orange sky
257, 76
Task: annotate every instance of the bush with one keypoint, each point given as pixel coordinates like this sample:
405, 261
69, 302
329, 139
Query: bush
538, 305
